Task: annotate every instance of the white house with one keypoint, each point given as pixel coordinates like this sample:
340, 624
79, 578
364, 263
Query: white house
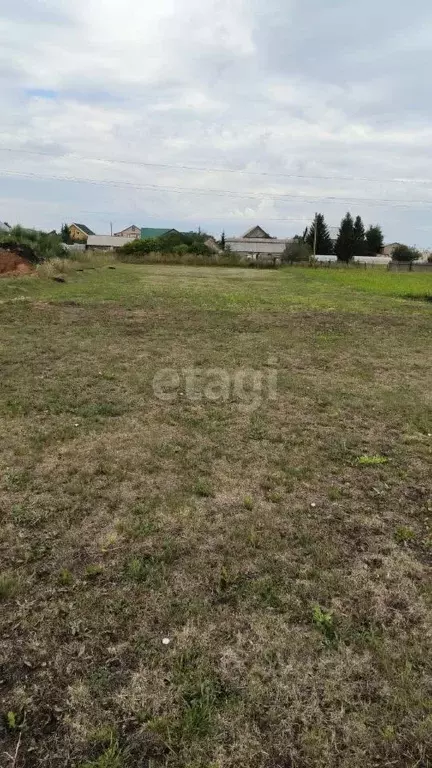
256, 243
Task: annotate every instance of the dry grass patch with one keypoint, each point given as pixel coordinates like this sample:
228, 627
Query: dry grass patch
187, 583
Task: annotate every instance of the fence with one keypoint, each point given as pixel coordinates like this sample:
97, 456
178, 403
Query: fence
374, 261
403, 266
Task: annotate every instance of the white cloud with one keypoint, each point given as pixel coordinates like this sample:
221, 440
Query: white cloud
303, 88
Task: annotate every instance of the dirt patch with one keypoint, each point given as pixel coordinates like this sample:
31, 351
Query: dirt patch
13, 264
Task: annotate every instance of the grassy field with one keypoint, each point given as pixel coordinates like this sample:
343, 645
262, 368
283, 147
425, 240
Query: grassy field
216, 572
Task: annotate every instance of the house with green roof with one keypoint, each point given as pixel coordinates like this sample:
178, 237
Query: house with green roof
148, 233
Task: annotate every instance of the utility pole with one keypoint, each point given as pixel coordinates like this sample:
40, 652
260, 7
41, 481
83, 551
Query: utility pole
315, 235
111, 227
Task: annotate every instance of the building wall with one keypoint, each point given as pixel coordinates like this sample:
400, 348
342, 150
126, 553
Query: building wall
76, 234
75, 247
133, 232
256, 246
388, 250
106, 242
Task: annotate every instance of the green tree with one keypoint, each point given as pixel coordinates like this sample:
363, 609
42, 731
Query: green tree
405, 253
222, 241
323, 243
374, 240
66, 234
360, 237
345, 247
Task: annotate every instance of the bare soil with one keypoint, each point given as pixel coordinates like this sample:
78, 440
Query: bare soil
13, 264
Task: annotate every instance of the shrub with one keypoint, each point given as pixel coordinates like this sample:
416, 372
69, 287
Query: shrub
181, 250
139, 247
296, 251
179, 243
405, 253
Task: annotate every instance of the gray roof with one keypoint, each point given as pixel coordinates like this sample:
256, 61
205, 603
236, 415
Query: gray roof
83, 228
254, 233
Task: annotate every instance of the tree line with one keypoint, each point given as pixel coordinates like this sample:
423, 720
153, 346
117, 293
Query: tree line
352, 240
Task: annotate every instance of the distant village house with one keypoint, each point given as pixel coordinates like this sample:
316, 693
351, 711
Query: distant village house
113, 242
257, 244
389, 249
148, 233
79, 232
133, 232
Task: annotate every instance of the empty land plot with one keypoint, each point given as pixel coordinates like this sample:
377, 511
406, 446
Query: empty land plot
215, 577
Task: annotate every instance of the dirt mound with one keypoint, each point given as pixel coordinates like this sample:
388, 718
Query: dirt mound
13, 264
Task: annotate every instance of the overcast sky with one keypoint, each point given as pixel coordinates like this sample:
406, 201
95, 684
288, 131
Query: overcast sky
292, 106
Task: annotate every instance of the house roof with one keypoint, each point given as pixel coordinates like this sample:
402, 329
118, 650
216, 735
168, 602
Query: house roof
259, 240
150, 232
83, 228
257, 232
126, 229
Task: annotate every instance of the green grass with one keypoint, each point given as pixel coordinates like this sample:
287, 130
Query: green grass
282, 549
227, 289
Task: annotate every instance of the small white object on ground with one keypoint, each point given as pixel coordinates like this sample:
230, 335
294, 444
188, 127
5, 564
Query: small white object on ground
313, 504
166, 641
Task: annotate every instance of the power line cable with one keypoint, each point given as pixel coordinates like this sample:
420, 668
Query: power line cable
222, 193
208, 169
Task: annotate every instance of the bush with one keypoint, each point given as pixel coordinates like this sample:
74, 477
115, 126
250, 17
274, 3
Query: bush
296, 251
405, 253
137, 247
178, 243
181, 250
